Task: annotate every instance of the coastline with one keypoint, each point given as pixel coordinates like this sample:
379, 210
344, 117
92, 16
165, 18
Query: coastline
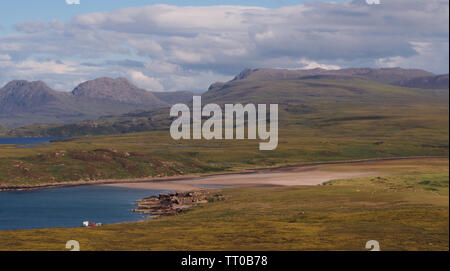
171, 182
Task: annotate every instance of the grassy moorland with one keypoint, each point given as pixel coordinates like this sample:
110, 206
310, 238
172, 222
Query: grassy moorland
153, 154
320, 120
404, 208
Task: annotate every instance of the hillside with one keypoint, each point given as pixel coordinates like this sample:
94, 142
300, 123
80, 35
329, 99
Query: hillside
321, 119
24, 103
118, 90
318, 90
385, 75
427, 82
312, 101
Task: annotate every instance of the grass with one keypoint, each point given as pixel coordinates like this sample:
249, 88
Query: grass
404, 211
152, 154
320, 120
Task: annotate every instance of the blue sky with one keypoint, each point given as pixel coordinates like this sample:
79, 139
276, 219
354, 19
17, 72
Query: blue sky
13, 11
187, 45
20, 10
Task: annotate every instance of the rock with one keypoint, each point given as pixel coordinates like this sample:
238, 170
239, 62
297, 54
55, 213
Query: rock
172, 204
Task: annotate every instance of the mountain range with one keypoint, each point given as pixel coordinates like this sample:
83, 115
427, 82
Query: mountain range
311, 98
23, 102
118, 104
414, 78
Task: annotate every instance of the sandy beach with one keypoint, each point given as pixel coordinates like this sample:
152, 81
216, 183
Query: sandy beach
300, 175
294, 175
313, 175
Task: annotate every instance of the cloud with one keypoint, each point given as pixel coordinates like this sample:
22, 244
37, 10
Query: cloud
38, 26
164, 47
307, 65
145, 81
426, 56
4, 58
73, 2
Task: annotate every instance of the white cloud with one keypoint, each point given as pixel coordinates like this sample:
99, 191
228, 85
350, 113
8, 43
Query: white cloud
426, 57
164, 47
147, 47
308, 64
4, 58
73, 2
145, 81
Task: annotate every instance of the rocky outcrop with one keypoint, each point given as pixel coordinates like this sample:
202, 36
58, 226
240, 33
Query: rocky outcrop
172, 204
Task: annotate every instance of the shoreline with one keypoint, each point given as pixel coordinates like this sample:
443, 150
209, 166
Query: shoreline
193, 177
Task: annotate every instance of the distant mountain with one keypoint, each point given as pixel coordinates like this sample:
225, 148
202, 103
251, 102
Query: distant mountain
385, 75
24, 103
355, 85
21, 95
117, 106
118, 90
317, 99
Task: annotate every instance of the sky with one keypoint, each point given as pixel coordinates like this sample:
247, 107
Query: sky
188, 45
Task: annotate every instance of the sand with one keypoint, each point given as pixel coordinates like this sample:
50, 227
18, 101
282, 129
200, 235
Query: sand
314, 175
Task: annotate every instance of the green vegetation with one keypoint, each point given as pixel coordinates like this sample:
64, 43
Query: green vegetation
156, 154
320, 120
404, 211
404, 206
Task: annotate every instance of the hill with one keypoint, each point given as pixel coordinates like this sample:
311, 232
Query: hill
118, 90
320, 119
318, 101
24, 103
427, 82
384, 75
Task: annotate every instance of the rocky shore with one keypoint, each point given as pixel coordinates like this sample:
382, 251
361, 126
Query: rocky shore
172, 204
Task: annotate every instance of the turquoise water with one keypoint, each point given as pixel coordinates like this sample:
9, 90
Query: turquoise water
70, 206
